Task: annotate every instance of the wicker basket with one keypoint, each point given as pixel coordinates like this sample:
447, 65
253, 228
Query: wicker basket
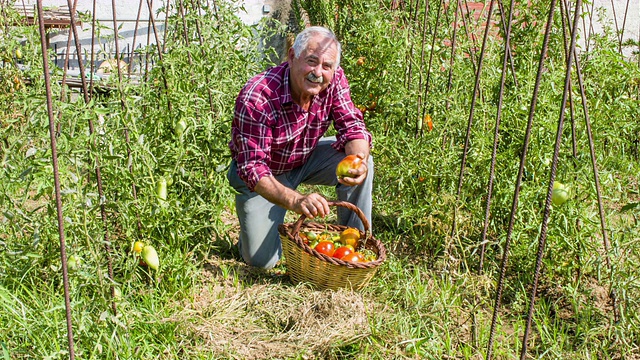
305, 264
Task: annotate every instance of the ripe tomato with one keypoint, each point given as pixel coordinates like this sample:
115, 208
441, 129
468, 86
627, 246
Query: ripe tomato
342, 251
428, 122
348, 163
137, 246
325, 247
353, 257
350, 236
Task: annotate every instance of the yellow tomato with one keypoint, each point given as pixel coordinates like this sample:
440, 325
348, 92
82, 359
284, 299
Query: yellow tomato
350, 236
137, 247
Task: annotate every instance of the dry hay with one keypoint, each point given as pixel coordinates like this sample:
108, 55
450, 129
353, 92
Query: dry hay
269, 319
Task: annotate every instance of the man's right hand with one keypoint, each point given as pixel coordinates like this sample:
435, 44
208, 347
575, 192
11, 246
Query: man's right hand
310, 205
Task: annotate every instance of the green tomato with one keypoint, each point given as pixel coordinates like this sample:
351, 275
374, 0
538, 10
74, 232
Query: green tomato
74, 262
180, 127
169, 179
117, 293
559, 194
161, 189
150, 257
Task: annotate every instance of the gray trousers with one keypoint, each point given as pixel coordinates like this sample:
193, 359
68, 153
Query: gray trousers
259, 241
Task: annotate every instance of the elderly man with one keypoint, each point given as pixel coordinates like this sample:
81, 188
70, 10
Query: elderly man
277, 144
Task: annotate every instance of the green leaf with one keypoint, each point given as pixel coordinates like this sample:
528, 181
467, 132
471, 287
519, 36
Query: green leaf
630, 206
5, 351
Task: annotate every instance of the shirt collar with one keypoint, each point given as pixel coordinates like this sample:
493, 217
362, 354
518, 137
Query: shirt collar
286, 98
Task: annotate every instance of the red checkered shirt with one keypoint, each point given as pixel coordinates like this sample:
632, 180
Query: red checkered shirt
271, 134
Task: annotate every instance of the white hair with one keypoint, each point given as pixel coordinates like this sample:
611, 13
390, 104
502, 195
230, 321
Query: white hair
302, 40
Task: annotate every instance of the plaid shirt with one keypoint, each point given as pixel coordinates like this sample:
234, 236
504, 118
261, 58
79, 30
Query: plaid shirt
271, 134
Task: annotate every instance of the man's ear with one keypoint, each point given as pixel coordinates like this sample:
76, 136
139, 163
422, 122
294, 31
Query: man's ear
291, 54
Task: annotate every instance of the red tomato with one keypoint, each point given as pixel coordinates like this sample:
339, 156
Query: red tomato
353, 257
346, 164
325, 247
342, 252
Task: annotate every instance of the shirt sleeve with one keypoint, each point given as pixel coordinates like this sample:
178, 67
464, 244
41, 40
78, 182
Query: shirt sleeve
252, 139
348, 120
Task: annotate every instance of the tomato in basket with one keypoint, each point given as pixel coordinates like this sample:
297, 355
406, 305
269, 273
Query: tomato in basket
342, 252
353, 257
325, 247
350, 236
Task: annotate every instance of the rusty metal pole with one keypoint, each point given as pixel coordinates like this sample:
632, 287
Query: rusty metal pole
516, 193
547, 206
474, 97
98, 172
596, 179
496, 135
56, 179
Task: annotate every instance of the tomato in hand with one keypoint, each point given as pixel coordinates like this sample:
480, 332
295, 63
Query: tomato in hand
325, 247
342, 252
348, 163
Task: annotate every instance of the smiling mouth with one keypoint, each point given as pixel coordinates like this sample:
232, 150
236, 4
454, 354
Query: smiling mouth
318, 80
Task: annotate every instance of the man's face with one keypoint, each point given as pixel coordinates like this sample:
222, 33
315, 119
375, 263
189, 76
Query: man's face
312, 72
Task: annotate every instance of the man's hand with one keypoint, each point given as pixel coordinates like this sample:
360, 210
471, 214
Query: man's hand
311, 205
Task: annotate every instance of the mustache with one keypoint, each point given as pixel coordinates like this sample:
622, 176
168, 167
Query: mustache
316, 79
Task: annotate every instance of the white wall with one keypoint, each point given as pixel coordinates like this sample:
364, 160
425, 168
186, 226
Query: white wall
627, 17
127, 11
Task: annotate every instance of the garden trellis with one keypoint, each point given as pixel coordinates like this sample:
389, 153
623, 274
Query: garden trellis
442, 42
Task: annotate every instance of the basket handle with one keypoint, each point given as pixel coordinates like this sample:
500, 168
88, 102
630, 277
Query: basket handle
345, 204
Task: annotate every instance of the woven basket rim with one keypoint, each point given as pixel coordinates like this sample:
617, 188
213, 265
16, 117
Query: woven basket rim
287, 230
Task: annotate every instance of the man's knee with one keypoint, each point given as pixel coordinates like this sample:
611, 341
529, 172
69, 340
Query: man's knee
265, 257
